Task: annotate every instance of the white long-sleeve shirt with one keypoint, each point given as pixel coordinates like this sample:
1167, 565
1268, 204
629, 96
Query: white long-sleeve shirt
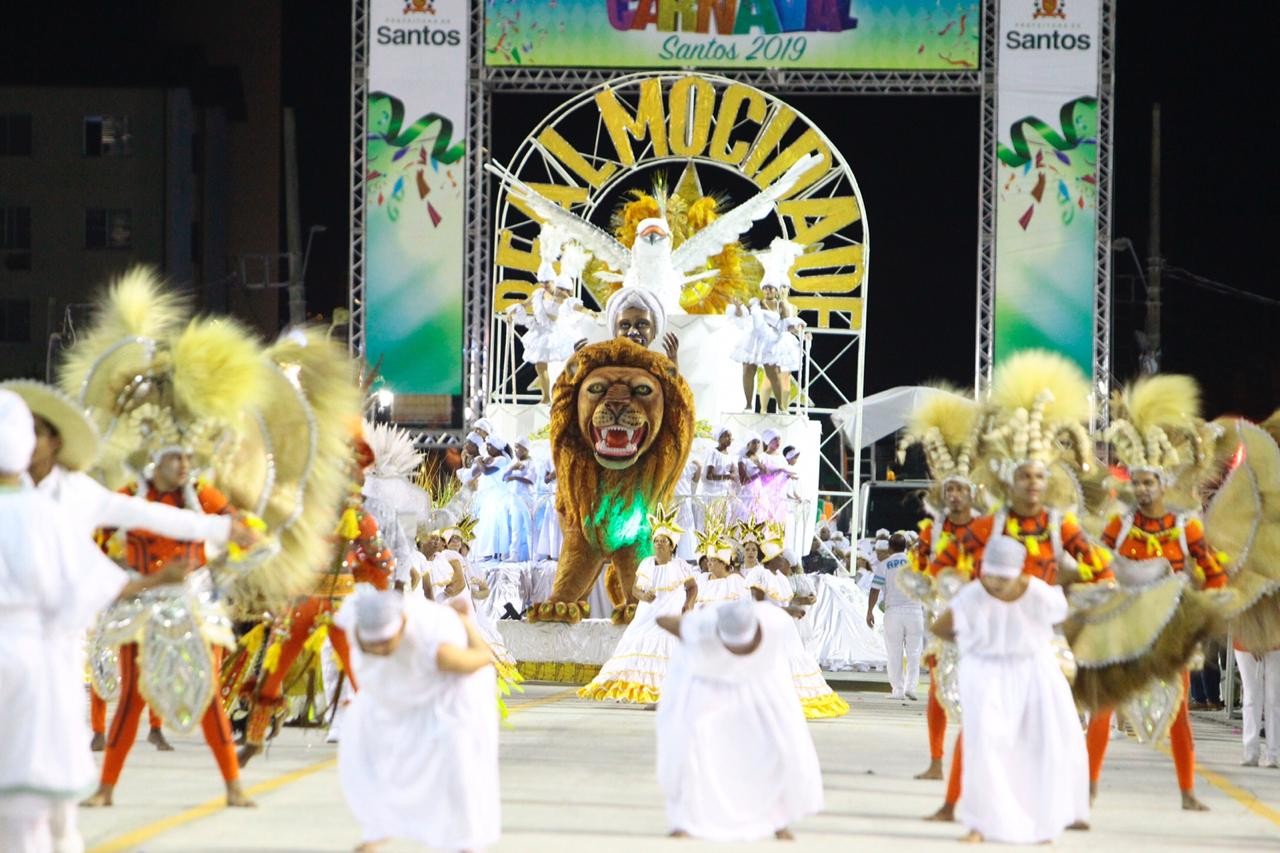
88, 505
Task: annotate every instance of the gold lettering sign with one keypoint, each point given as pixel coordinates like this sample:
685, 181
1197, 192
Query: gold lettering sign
632, 126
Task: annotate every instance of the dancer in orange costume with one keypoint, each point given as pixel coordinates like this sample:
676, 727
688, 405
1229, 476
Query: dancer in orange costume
147, 554
944, 424
363, 559
1151, 531
98, 723
1038, 403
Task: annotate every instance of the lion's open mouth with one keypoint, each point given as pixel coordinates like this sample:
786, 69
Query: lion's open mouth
618, 442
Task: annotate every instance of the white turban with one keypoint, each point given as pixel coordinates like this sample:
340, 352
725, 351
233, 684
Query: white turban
378, 615
1004, 557
475, 438
769, 436
522, 442
17, 434
737, 622
719, 434
635, 297
484, 424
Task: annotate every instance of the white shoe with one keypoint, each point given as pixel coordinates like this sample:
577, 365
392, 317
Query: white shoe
912, 696
1250, 762
896, 695
1268, 762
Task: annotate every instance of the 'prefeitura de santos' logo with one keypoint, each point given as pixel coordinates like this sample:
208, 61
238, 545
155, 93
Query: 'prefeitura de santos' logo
1036, 36
410, 31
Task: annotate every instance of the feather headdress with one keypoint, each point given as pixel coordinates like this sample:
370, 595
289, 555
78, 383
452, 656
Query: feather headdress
947, 425
1150, 416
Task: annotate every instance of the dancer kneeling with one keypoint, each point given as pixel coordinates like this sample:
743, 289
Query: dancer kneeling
418, 757
665, 586
735, 758
1026, 772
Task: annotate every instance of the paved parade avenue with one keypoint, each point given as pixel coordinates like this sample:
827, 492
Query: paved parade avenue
578, 776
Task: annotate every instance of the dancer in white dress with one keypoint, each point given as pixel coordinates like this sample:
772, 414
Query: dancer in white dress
772, 340
419, 752
552, 313
476, 593
769, 583
53, 583
776, 476
504, 531
735, 759
1026, 771
719, 475
687, 508
719, 583
748, 492
665, 586
549, 539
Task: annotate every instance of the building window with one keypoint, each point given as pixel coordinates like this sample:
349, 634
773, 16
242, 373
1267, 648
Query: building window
108, 229
15, 135
15, 321
107, 136
15, 237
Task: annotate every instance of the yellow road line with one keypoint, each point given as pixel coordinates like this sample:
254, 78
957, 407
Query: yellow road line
145, 833
1235, 792
1240, 795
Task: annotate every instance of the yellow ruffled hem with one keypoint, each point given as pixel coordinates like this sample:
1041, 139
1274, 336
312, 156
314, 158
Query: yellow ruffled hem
824, 707
620, 691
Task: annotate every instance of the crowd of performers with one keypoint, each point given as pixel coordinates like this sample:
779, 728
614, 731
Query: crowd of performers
261, 554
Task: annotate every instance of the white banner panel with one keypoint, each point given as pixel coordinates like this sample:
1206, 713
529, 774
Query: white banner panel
1047, 190
415, 200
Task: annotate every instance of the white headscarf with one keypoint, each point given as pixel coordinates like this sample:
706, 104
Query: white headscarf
484, 424
1004, 557
769, 436
17, 434
378, 615
737, 622
635, 297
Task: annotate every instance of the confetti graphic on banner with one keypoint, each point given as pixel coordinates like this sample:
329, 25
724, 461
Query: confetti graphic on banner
394, 151
1042, 155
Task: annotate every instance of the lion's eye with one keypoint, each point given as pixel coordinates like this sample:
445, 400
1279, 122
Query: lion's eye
642, 390
596, 388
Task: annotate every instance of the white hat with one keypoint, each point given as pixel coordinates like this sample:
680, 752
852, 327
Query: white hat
791, 454
475, 438
737, 622
484, 424
882, 533
522, 442
1004, 557
379, 615
769, 436
719, 433
17, 434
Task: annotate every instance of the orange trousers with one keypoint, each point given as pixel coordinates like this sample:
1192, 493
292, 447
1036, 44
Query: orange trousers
98, 714
302, 621
936, 717
1181, 742
124, 726
957, 772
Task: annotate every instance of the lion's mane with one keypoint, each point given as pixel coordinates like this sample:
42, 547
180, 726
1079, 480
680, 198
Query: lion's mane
581, 481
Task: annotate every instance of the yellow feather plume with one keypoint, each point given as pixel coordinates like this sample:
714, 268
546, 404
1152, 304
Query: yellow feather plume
137, 304
947, 410
327, 378
217, 370
1165, 400
1022, 378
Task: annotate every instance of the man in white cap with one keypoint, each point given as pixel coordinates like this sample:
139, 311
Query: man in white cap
53, 583
903, 620
1026, 771
418, 757
66, 444
729, 685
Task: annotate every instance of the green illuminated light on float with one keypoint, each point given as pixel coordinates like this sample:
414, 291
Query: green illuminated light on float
622, 523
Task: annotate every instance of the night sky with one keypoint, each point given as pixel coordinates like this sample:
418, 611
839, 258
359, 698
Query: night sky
916, 160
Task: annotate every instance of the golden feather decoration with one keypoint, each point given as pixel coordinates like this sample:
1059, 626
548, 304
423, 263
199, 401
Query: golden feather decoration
1036, 379
217, 369
1243, 519
947, 424
326, 376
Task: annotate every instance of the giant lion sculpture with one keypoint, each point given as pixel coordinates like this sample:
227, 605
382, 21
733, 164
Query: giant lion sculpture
622, 422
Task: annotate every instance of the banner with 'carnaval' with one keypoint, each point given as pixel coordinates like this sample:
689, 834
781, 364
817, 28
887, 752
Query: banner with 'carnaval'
1046, 177
415, 177
942, 35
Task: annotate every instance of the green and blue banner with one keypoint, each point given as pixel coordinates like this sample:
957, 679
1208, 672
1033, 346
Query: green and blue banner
1047, 178
415, 182
940, 35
